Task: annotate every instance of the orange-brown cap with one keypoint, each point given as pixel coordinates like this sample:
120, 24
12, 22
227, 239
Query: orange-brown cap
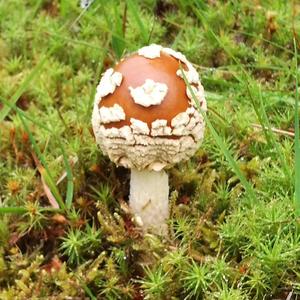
144, 115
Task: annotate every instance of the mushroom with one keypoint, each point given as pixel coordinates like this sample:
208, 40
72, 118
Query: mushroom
144, 119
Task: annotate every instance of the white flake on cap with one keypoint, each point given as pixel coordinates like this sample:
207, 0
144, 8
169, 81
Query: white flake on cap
191, 110
202, 96
140, 156
198, 94
188, 123
198, 131
144, 140
192, 123
180, 119
142, 151
109, 132
126, 133
185, 143
180, 131
204, 105
150, 93
159, 127
96, 119
139, 127
191, 75
111, 114
133, 147
108, 83
176, 54
151, 51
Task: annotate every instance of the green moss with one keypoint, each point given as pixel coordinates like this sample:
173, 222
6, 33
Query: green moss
223, 244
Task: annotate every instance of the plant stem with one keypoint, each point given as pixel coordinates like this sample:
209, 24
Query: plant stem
149, 197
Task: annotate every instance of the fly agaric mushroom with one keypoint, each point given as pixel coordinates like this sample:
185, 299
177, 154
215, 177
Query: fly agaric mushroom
144, 119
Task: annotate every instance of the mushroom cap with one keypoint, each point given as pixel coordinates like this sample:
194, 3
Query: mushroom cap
144, 116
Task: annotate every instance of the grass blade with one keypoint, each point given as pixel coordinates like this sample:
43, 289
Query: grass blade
46, 176
134, 10
23, 210
234, 166
297, 141
247, 79
49, 194
118, 44
13, 210
261, 114
21, 112
43, 169
96, 82
6, 109
70, 183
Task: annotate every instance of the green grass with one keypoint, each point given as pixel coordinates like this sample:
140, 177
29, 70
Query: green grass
65, 230
297, 137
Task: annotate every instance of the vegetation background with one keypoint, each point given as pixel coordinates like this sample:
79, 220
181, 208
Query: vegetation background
65, 228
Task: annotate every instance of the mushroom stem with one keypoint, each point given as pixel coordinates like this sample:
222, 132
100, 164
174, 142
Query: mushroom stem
149, 197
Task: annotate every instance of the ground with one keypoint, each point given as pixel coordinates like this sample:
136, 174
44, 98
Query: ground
66, 232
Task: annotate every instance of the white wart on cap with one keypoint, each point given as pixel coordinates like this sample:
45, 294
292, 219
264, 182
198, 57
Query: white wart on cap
144, 116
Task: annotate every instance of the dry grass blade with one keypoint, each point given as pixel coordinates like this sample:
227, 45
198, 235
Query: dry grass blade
48, 193
46, 188
275, 130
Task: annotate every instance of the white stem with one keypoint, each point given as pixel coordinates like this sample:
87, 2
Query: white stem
149, 197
